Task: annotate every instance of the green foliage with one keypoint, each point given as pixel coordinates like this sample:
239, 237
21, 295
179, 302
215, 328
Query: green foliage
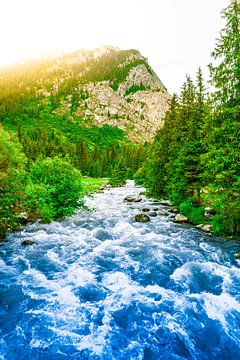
134, 88
119, 175
127, 163
58, 186
12, 180
39, 203
227, 205
225, 74
198, 146
41, 103
93, 184
192, 210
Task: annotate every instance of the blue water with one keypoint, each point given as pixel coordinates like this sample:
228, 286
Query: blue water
101, 286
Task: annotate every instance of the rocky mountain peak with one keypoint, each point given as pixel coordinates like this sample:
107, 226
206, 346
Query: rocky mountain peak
105, 86
121, 89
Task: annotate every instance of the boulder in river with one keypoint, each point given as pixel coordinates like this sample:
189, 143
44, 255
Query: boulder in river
152, 213
163, 212
133, 198
166, 202
142, 218
179, 218
237, 255
145, 209
206, 228
28, 242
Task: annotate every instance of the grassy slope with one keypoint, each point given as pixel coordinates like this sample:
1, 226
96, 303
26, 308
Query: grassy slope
91, 184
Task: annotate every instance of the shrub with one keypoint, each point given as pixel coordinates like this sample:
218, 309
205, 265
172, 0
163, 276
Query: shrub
195, 214
12, 181
55, 189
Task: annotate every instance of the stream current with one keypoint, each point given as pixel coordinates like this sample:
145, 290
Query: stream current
102, 286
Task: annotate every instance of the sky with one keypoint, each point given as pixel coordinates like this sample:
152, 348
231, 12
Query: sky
177, 36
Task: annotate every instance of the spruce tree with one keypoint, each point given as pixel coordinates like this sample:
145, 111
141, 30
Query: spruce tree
222, 161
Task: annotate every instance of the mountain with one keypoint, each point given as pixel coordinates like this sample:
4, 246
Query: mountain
105, 87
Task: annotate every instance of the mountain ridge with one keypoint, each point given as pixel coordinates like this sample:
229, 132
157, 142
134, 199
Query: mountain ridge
105, 86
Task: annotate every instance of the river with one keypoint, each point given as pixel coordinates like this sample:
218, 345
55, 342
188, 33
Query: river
102, 286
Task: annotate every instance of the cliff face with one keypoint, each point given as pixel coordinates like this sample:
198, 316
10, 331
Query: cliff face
103, 86
113, 87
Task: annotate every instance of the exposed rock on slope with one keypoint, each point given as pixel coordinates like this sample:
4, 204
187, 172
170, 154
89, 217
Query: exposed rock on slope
103, 86
137, 106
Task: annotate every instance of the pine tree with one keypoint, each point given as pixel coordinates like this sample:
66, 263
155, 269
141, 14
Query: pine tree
222, 161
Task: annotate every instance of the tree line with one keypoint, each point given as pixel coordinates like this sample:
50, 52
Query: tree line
195, 158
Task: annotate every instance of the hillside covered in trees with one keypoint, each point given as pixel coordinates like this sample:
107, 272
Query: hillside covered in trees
195, 158
83, 113
96, 114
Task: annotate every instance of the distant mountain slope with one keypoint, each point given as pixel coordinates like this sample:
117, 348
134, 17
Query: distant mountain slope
106, 86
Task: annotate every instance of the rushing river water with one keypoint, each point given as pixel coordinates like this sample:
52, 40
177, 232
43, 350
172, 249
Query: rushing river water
102, 286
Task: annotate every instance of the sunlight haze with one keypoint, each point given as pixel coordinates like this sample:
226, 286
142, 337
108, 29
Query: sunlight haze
176, 36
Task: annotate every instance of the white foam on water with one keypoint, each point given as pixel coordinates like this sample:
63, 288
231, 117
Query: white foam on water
54, 257
79, 276
7, 269
79, 247
219, 307
186, 272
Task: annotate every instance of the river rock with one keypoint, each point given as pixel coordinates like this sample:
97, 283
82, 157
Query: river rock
237, 255
133, 198
179, 218
145, 209
153, 213
23, 218
163, 212
206, 228
142, 218
166, 202
209, 212
28, 242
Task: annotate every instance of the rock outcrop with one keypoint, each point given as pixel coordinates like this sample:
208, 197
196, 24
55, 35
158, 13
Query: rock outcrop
108, 86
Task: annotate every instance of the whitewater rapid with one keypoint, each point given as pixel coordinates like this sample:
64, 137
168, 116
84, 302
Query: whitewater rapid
102, 286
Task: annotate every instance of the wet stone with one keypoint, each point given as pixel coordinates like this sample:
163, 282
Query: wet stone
206, 228
237, 255
142, 218
163, 212
133, 198
166, 202
145, 209
28, 242
179, 218
153, 213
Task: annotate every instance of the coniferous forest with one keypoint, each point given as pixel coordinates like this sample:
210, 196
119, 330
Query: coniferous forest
194, 159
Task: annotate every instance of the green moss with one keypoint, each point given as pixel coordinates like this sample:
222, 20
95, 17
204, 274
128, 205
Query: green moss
134, 88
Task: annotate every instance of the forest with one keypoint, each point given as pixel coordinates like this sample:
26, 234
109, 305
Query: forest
194, 159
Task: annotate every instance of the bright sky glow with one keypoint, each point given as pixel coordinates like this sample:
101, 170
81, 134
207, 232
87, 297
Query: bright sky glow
177, 36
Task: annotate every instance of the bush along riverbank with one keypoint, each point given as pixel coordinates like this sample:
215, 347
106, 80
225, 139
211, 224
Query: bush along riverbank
47, 189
